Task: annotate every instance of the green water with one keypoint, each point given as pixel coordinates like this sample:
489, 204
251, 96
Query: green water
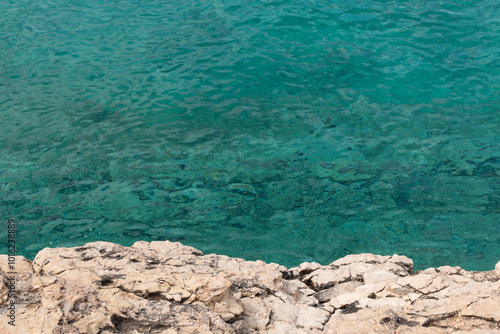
286, 131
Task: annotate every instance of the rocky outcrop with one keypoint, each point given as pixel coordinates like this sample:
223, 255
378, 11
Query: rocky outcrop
165, 287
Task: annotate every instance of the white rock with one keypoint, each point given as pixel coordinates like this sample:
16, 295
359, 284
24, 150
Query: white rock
358, 269
280, 327
414, 296
256, 314
379, 276
471, 288
312, 317
418, 282
401, 260
322, 279
19, 264
292, 287
103, 288
372, 288
347, 299
365, 257
307, 267
394, 303
284, 312
447, 270
430, 271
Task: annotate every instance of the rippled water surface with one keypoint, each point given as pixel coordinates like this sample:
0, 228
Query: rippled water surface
286, 131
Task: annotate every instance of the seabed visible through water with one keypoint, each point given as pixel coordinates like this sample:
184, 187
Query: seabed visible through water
286, 131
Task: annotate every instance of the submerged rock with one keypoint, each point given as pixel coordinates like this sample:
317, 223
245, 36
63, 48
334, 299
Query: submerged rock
165, 287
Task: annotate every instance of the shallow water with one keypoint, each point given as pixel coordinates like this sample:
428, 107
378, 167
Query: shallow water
286, 131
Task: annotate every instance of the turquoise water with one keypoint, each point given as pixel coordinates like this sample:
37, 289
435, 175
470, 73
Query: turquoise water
286, 131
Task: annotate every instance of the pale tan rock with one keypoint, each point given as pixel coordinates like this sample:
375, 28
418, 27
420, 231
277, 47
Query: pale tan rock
19, 265
458, 278
417, 282
365, 257
322, 278
479, 331
358, 269
394, 268
402, 261
293, 287
282, 311
307, 267
228, 307
311, 317
256, 314
430, 271
497, 268
471, 288
328, 294
487, 308
447, 270
371, 288
362, 321
414, 296
392, 303
93, 323
347, 299
422, 330
432, 307
393, 289
280, 327
165, 287
379, 276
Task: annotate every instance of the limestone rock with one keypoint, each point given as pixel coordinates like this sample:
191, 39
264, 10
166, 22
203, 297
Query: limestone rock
165, 287
323, 278
402, 261
488, 308
379, 276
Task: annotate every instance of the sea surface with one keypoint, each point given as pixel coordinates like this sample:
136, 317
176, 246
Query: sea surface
285, 131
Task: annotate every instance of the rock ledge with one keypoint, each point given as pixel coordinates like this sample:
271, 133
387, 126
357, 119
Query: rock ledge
165, 287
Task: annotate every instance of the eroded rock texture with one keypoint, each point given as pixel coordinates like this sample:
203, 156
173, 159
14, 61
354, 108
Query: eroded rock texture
165, 287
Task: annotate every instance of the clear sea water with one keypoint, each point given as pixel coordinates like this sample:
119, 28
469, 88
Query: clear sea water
286, 131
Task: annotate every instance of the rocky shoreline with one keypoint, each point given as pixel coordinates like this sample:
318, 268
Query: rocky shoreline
165, 287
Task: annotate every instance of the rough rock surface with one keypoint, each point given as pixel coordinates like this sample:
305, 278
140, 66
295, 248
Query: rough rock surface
165, 287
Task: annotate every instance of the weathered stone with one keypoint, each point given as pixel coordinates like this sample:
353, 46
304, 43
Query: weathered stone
280, 327
20, 264
372, 288
347, 299
308, 267
312, 317
379, 276
402, 261
330, 293
392, 303
256, 314
282, 311
165, 287
417, 282
471, 288
358, 269
487, 308
393, 289
323, 279
362, 321
448, 270
365, 257
432, 307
